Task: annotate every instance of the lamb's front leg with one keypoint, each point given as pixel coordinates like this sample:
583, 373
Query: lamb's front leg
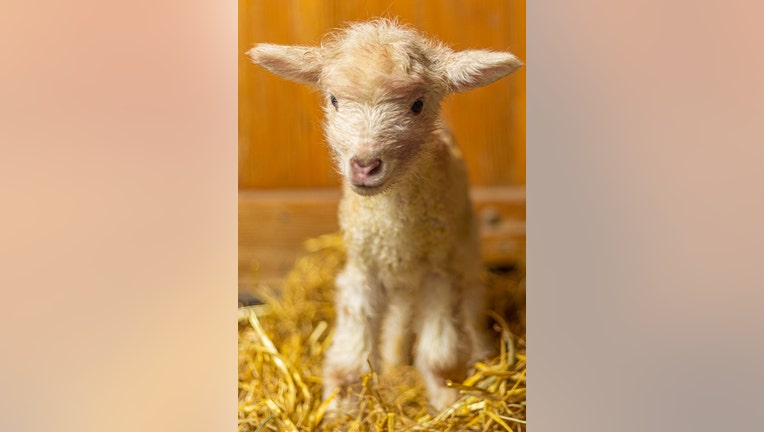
442, 348
396, 332
355, 338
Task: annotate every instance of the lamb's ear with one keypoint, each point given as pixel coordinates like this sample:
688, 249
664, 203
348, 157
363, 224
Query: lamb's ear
466, 70
301, 64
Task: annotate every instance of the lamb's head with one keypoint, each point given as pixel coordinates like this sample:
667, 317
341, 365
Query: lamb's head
382, 85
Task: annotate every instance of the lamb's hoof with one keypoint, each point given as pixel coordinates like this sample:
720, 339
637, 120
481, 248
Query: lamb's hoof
443, 398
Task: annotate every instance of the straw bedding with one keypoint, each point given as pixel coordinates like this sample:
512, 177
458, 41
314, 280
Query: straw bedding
281, 347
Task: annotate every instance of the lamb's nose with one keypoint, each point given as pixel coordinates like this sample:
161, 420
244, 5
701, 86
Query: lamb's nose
362, 169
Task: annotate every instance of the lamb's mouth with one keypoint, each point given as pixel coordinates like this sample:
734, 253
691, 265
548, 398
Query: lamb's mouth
368, 189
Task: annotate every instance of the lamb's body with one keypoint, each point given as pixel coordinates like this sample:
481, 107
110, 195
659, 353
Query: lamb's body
413, 263
410, 232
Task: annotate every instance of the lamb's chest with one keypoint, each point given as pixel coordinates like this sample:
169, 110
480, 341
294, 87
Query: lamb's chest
397, 235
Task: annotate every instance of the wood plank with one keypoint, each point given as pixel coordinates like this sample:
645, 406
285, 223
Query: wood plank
274, 224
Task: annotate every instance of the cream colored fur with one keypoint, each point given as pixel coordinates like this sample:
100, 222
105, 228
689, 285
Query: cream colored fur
413, 253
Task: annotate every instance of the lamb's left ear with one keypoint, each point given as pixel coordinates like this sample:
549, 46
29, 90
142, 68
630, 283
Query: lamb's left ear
466, 70
296, 63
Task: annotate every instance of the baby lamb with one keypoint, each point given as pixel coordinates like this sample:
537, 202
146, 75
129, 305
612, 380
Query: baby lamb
413, 264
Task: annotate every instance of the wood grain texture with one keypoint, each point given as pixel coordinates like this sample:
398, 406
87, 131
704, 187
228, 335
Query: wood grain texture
281, 143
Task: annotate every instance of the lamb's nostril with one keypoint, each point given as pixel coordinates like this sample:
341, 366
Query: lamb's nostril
375, 167
366, 167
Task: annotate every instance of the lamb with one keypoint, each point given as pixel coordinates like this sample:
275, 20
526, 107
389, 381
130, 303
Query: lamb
413, 264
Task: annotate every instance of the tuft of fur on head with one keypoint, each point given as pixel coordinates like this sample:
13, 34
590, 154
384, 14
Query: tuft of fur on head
382, 83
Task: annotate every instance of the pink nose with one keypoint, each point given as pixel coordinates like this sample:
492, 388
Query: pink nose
362, 169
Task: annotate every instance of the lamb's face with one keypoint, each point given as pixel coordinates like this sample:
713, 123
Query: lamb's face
383, 84
381, 107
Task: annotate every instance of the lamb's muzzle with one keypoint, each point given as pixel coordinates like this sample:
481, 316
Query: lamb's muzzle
366, 172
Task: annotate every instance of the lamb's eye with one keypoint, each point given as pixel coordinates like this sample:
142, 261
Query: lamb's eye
417, 107
334, 102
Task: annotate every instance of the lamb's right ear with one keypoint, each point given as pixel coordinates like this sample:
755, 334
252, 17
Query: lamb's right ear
466, 70
301, 64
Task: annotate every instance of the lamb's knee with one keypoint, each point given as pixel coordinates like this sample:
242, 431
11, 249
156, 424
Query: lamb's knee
443, 345
354, 341
346, 359
439, 361
395, 340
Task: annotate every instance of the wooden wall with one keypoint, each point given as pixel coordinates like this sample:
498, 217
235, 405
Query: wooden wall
284, 164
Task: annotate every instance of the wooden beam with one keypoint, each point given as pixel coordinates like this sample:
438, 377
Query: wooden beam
274, 224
